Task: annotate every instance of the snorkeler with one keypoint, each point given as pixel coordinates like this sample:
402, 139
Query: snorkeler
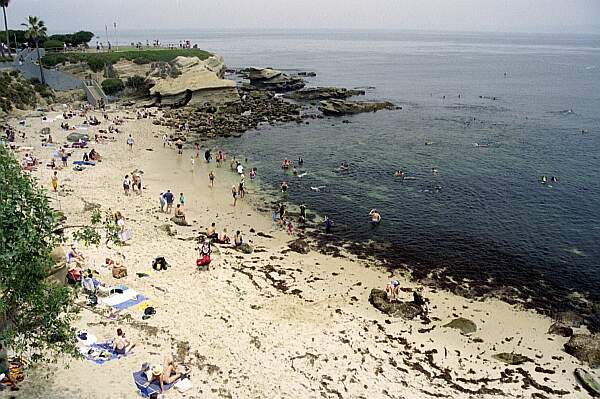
544, 179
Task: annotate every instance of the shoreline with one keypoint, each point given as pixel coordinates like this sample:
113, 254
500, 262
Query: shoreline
303, 321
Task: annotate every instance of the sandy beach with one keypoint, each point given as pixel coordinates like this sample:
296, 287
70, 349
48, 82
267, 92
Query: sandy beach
274, 323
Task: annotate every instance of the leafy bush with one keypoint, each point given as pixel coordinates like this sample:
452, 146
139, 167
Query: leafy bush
35, 312
174, 73
141, 61
135, 82
44, 91
95, 64
16, 92
75, 39
110, 72
112, 86
53, 44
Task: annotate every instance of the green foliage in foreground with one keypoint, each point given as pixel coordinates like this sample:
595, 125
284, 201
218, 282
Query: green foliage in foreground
35, 313
112, 86
97, 61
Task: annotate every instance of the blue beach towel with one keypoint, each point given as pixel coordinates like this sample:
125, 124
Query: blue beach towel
103, 347
132, 302
140, 381
85, 163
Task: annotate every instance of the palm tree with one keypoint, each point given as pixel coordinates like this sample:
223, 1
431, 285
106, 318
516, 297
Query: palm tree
4, 4
36, 30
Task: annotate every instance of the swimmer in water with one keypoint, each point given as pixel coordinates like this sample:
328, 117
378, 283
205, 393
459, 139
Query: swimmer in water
375, 217
434, 171
399, 173
295, 171
300, 161
554, 179
544, 180
344, 167
284, 187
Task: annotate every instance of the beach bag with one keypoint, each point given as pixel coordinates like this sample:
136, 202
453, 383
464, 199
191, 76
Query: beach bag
73, 276
203, 262
119, 271
160, 263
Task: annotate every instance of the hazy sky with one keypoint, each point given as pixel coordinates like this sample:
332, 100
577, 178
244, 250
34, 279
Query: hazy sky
465, 15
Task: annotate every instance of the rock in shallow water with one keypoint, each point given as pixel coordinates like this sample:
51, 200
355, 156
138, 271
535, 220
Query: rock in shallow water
342, 107
585, 348
466, 326
406, 310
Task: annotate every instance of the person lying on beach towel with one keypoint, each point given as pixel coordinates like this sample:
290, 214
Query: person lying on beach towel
163, 376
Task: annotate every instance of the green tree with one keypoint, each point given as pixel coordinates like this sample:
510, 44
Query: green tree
4, 4
36, 30
35, 312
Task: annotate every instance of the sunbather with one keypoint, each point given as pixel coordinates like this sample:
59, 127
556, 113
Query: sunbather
121, 345
166, 375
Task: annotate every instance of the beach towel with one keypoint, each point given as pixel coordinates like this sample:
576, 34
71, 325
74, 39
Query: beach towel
140, 381
124, 300
100, 353
86, 163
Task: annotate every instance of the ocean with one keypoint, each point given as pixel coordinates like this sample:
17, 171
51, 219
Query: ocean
531, 102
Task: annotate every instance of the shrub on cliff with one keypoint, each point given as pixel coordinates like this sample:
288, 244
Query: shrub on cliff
16, 92
136, 82
112, 86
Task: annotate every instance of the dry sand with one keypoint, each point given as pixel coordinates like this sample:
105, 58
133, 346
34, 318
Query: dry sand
273, 324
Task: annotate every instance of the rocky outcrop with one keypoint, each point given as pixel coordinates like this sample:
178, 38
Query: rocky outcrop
256, 107
273, 80
197, 81
245, 248
512, 359
342, 107
588, 381
179, 221
406, 310
466, 326
299, 246
560, 329
584, 347
323, 93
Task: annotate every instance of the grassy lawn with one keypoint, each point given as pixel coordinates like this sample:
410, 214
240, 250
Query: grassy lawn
96, 61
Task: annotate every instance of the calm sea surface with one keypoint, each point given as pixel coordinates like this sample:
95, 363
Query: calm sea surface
492, 222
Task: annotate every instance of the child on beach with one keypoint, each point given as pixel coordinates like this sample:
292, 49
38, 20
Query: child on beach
130, 142
211, 177
55, 182
181, 199
290, 228
234, 193
126, 184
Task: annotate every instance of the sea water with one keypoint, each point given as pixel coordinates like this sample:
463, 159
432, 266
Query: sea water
531, 102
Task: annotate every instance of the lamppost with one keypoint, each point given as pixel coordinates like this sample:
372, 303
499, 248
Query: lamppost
116, 36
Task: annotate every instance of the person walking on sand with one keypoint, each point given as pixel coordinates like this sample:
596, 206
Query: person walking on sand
242, 188
165, 139
197, 150
55, 182
181, 200
126, 184
211, 177
130, 142
162, 202
235, 194
170, 198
